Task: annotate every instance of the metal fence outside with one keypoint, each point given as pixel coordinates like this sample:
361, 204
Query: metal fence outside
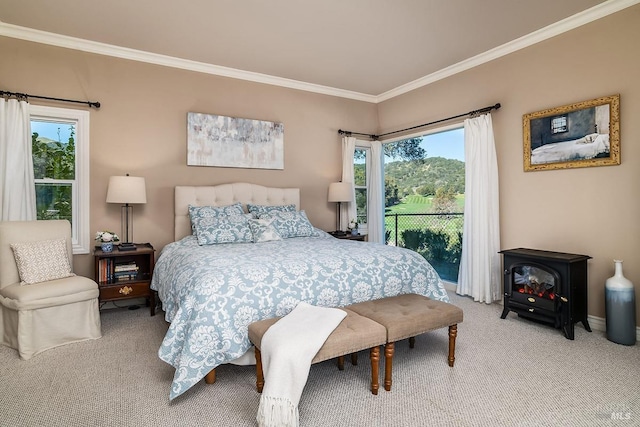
436, 236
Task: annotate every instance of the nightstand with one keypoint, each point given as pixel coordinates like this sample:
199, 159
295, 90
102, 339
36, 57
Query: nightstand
349, 236
125, 274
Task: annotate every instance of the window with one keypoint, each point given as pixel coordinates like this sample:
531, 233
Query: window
60, 149
360, 174
559, 124
424, 197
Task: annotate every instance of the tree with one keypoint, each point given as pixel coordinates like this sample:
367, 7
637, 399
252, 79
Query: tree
427, 189
432, 173
53, 160
407, 149
359, 174
390, 192
444, 200
361, 206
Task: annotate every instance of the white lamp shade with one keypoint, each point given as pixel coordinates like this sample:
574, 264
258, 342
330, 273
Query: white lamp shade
340, 192
126, 189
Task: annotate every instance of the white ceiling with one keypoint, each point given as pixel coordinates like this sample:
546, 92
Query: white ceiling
362, 49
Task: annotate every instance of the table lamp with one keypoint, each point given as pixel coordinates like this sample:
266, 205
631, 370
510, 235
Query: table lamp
340, 192
128, 190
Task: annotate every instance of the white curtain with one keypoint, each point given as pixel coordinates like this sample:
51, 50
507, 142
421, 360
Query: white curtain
348, 210
17, 189
375, 197
480, 262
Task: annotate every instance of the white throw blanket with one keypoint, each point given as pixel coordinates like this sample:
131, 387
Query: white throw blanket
288, 347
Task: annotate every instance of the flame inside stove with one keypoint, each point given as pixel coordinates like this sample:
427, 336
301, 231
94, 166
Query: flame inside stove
531, 280
549, 294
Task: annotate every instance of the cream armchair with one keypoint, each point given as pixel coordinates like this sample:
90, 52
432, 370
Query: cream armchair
38, 315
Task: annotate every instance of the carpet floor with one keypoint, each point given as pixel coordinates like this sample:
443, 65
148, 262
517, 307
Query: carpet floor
510, 372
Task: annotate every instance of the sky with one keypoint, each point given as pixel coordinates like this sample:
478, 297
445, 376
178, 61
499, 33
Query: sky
447, 144
50, 130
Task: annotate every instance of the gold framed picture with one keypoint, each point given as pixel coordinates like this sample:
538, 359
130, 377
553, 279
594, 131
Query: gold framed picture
573, 136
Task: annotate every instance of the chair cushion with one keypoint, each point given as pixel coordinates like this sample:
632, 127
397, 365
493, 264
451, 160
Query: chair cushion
353, 334
409, 315
42, 260
47, 294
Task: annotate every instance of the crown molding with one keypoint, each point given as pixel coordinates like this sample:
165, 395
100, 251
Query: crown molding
567, 24
599, 11
37, 36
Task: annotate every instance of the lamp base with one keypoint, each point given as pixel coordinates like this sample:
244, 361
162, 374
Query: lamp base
127, 247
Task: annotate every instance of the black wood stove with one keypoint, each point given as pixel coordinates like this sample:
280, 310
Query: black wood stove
546, 286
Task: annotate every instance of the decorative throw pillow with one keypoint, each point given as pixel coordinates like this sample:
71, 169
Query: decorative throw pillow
42, 261
257, 210
223, 229
213, 212
263, 230
290, 224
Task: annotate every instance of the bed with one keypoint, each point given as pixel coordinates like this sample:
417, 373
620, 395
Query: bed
588, 147
210, 293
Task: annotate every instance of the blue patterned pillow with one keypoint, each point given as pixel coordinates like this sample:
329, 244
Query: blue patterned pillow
213, 212
257, 210
223, 229
290, 224
263, 230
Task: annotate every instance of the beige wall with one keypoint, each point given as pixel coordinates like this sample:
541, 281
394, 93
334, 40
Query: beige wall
593, 211
141, 129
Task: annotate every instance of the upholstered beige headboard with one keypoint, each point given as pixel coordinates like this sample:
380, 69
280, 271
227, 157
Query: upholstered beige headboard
226, 194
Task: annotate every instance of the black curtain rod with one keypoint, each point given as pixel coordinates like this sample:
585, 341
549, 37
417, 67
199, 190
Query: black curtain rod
26, 96
470, 113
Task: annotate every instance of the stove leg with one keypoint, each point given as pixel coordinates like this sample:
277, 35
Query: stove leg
505, 311
585, 322
568, 331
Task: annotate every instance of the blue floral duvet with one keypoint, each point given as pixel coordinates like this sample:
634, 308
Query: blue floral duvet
210, 294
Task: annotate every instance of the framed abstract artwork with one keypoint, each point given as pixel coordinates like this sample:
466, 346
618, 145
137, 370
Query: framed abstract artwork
573, 136
234, 142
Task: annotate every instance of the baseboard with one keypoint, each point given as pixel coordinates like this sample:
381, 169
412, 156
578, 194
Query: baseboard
449, 286
596, 323
600, 324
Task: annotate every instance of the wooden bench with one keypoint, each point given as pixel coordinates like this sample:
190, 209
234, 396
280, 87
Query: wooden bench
354, 333
405, 316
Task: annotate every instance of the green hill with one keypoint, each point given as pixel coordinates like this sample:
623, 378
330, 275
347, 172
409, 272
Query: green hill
424, 177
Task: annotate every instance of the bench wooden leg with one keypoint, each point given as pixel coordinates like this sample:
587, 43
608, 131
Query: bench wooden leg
210, 378
374, 353
453, 333
259, 374
354, 361
412, 342
388, 364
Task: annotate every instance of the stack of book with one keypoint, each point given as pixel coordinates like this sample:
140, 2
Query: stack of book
105, 270
126, 271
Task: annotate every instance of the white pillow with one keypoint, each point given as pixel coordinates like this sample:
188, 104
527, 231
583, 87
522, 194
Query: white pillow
263, 230
42, 261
